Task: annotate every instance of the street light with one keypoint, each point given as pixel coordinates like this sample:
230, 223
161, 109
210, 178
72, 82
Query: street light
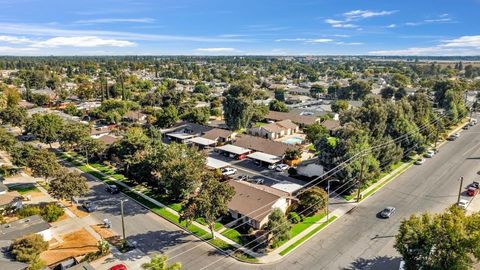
328, 192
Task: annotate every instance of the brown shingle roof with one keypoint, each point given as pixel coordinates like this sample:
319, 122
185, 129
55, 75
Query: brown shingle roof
262, 145
9, 197
296, 118
251, 201
216, 133
331, 124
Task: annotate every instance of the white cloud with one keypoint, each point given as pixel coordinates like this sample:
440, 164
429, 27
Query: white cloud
320, 40
443, 18
391, 25
348, 43
465, 45
116, 20
290, 39
363, 14
84, 41
14, 39
42, 30
5, 50
332, 21
346, 25
216, 50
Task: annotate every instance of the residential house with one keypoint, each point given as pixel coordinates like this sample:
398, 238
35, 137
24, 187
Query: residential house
252, 204
275, 130
185, 131
267, 151
135, 116
220, 136
10, 200
296, 118
25, 226
331, 125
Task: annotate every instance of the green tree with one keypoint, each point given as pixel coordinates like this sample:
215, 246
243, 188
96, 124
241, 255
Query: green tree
28, 248
51, 212
160, 263
201, 88
259, 111
7, 141
44, 164
360, 89
280, 94
238, 105
313, 200
198, 115
316, 90
67, 185
387, 92
340, 105
14, 115
177, 168
278, 226
47, 128
292, 154
72, 134
90, 147
278, 106
447, 240
167, 117
315, 132
211, 202
400, 80
22, 154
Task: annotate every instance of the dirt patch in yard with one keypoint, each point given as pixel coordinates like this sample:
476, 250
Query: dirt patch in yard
111, 237
74, 244
76, 209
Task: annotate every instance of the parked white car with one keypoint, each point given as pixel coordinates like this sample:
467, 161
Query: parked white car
463, 204
229, 171
282, 167
272, 166
429, 153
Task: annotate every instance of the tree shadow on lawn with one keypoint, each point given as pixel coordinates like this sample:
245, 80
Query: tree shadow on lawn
377, 263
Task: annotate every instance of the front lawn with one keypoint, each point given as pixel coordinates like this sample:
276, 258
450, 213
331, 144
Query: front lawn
233, 235
301, 226
24, 189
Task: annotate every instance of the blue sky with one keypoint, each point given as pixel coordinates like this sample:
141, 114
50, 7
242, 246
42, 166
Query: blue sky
240, 27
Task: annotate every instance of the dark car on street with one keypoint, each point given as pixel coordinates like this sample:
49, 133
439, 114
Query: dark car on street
112, 189
387, 212
89, 206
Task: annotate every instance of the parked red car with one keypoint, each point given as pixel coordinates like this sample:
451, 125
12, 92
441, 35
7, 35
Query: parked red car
119, 267
471, 191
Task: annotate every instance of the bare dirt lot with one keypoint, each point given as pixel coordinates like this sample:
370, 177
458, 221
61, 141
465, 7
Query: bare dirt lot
74, 244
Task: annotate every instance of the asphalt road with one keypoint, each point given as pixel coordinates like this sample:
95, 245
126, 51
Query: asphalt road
359, 240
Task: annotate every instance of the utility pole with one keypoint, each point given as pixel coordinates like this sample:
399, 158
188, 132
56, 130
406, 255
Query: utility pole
328, 194
123, 221
460, 189
360, 180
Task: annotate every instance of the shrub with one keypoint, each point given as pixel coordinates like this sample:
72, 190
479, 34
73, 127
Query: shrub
294, 217
51, 212
292, 171
28, 210
28, 248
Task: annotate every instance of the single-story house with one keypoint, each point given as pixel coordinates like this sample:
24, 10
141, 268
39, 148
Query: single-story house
275, 130
253, 204
296, 118
265, 146
135, 116
10, 200
108, 139
219, 135
100, 131
185, 131
233, 151
331, 125
25, 226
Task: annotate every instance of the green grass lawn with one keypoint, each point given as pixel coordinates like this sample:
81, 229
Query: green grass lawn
24, 189
233, 235
307, 236
301, 226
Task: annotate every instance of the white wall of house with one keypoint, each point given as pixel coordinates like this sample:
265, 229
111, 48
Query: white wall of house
46, 235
